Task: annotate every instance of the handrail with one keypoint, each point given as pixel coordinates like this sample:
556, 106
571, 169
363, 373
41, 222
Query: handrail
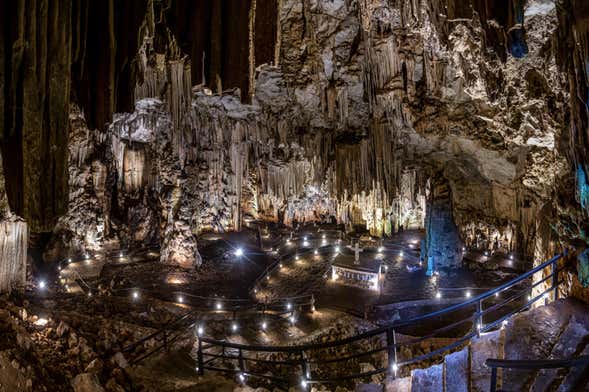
396, 325
532, 364
390, 332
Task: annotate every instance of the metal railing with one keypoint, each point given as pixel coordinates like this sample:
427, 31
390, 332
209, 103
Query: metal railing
311, 362
538, 364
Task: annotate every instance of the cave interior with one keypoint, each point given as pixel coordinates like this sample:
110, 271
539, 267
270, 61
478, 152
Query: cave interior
314, 195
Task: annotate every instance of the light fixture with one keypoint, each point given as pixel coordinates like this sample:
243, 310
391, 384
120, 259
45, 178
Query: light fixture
86, 256
337, 249
289, 306
180, 299
69, 260
486, 253
41, 322
238, 252
281, 265
380, 249
200, 330
121, 255
324, 242
386, 267
463, 249
401, 253
479, 326
89, 293
468, 294
42, 284
306, 243
304, 383
241, 377
135, 294
219, 306
511, 257
264, 325
438, 295
296, 257
292, 319
267, 277
316, 252
395, 367
323, 236
234, 327
312, 308
305, 238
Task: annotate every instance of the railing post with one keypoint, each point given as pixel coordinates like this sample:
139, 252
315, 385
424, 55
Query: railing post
200, 360
305, 367
241, 363
554, 266
478, 318
493, 379
392, 351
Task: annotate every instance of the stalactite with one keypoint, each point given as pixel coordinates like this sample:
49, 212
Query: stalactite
14, 239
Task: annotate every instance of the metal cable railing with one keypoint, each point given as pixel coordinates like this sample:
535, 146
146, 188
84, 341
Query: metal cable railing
310, 363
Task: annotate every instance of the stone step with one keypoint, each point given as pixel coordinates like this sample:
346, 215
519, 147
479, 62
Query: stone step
532, 335
487, 346
457, 371
369, 388
569, 342
398, 385
428, 380
577, 377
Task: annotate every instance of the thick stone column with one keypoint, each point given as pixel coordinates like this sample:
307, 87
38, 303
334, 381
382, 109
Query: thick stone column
443, 245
